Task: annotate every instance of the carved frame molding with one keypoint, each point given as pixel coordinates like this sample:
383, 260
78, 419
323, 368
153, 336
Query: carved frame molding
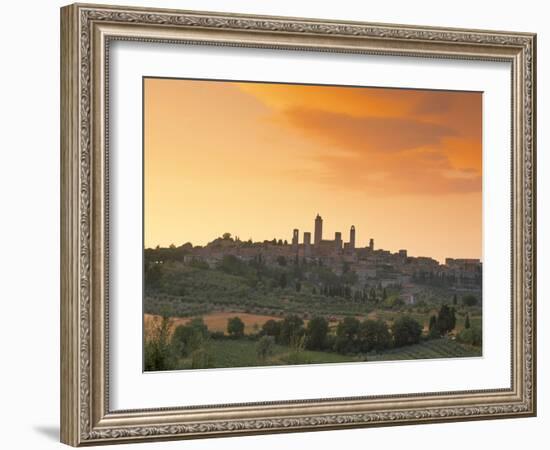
86, 31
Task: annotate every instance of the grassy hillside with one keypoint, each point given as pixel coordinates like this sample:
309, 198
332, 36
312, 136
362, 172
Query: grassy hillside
186, 291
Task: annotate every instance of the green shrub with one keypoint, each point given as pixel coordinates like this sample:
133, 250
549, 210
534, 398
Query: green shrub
347, 336
189, 337
297, 346
374, 335
265, 347
292, 327
271, 328
471, 336
158, 354
406, 331
316, 333
235, 327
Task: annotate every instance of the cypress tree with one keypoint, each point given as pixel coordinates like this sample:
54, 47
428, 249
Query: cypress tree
433, 329
433, 323
452, 319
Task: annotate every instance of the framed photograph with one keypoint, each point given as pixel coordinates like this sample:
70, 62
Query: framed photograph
275, 224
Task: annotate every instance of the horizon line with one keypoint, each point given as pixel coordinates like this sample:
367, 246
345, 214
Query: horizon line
233, 237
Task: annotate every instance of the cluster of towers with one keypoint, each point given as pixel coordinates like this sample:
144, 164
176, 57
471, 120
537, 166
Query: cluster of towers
321, 245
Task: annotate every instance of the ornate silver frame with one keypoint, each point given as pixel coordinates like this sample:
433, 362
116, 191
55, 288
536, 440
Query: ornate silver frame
86, 31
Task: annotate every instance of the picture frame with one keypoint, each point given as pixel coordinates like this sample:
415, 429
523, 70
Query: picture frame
87, 32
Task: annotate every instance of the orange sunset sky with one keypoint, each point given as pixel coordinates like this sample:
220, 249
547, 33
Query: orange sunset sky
258, 160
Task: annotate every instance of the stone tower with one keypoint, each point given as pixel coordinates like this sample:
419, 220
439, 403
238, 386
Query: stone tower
295, 235
371, 244
318, 236
338, 240
307, 243
352, 238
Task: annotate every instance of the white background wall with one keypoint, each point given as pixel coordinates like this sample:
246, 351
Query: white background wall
29, 222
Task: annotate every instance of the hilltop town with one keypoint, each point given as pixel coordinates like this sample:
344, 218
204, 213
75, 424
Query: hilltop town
408, 275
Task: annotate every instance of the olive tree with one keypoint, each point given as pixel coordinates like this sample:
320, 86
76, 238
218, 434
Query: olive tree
235, 327
406, 331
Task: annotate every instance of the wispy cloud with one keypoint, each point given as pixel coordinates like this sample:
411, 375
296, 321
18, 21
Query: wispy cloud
382, 141
367, 135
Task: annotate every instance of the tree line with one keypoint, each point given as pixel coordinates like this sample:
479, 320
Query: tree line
351, 336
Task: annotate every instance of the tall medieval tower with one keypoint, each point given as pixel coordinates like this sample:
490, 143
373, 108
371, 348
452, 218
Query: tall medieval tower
318, 236
352, 238
338, 241
295, 238
307, 243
